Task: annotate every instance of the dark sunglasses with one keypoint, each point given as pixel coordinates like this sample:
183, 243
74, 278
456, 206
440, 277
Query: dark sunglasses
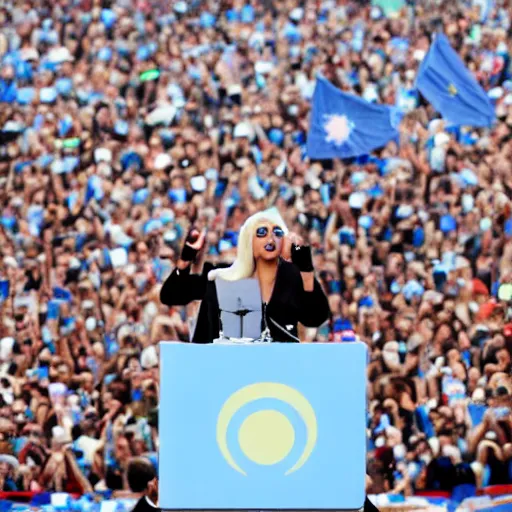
262, 232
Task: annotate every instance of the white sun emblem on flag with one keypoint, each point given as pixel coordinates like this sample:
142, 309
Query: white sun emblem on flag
338, 129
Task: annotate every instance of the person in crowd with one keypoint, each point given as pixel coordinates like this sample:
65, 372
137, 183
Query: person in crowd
143, 481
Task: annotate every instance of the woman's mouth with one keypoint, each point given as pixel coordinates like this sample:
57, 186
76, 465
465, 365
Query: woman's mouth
270, 247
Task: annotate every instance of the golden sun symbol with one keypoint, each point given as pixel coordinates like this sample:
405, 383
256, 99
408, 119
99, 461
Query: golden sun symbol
452, 90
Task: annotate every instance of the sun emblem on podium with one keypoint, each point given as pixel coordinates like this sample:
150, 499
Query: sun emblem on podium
266, 437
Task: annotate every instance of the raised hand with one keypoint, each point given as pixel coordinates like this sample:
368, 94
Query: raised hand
195, 239
289, 241
193, 244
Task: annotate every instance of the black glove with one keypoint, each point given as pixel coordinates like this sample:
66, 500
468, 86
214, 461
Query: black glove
189, 253
301, 256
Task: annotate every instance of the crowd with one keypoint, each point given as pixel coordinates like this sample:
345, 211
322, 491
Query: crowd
122, 123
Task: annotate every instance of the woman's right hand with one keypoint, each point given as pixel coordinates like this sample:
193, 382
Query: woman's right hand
193, 244
196, 239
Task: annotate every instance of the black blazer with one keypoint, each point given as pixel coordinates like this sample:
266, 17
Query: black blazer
288, 305
143, 506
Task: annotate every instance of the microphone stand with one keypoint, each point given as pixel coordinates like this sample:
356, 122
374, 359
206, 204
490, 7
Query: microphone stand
265, 335
241, 313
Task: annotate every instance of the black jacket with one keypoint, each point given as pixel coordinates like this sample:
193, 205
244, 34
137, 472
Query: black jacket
369, 506
288, 305
143, 505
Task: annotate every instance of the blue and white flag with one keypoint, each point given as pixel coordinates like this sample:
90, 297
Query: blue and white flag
344, 126
451, 88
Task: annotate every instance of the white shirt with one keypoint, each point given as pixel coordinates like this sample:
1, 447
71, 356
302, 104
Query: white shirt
151, 504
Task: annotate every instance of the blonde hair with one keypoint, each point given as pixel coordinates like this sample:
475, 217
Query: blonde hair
244, 264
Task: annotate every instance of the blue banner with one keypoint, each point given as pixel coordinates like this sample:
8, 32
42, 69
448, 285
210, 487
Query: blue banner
451, 88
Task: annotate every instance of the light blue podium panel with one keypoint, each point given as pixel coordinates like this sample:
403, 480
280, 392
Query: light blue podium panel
262, 426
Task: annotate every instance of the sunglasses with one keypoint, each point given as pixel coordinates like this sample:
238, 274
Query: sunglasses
262, 232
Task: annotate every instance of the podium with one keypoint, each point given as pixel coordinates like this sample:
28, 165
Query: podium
262, 426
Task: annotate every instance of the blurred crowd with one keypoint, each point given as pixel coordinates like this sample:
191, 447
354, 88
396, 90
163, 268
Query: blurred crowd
124, 122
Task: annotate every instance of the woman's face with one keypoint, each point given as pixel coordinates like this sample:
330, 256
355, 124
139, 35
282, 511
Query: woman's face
267, 241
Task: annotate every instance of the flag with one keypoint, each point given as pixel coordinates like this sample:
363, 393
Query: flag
451, 88
343, 125
262, 426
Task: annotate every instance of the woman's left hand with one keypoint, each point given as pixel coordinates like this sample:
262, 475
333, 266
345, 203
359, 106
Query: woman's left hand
289, 240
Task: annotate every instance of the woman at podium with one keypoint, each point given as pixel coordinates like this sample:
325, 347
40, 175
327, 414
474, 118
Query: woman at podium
277, 259
266, 251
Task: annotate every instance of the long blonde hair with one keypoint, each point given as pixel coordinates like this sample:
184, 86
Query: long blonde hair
244, 264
